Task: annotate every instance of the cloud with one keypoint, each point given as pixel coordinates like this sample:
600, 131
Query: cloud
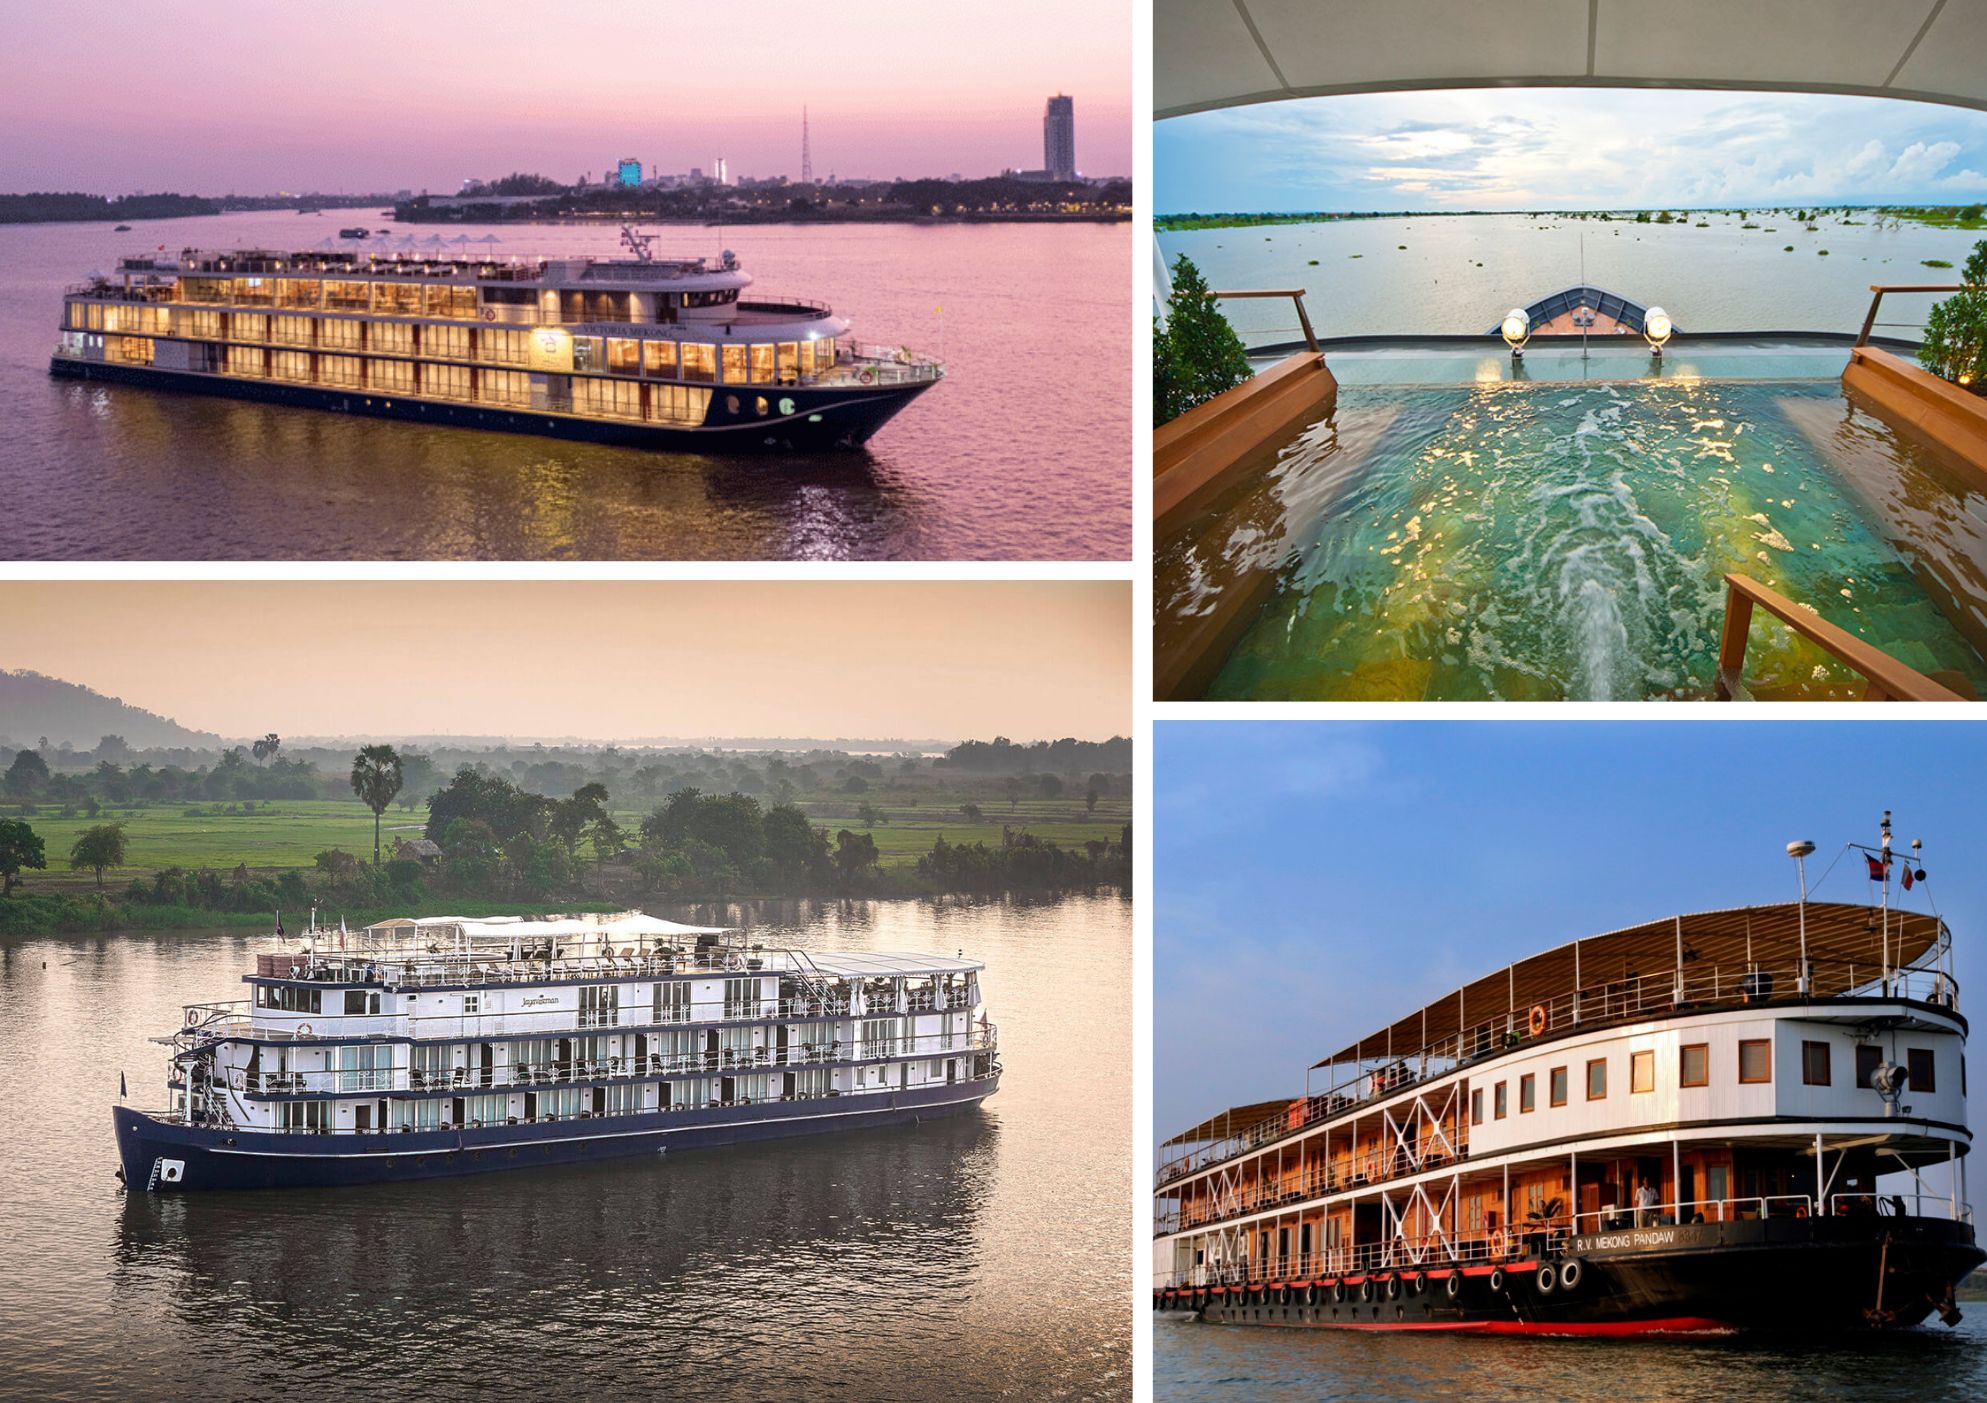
1568, 149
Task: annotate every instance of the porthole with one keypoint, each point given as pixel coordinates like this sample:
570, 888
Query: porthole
731, 404
760, 407
786, 405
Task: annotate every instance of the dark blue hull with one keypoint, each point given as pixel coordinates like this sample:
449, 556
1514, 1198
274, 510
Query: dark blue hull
162, 1157
823, 418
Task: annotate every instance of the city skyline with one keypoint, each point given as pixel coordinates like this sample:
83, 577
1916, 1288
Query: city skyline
869, 659
279, 111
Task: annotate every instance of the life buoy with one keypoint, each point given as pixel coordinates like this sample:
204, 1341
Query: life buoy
1546, 1279
303, 1030
236, 1079
1570, 1272
1539, 1020
1497, 1243
1454, 1285
867, 377
489, 314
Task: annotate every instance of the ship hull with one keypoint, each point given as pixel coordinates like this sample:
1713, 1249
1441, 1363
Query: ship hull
164, 1157
824, 418
1793, 1274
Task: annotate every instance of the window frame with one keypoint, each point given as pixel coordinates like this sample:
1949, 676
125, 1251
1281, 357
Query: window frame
1501, 1100
1931, 1083
1703, 1050
1602, 1094
1766, 1044
1558, 1084
1810, 1047
1528, 1093
1639, 1064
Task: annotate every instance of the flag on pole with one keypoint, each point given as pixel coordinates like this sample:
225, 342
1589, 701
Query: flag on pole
1877, 866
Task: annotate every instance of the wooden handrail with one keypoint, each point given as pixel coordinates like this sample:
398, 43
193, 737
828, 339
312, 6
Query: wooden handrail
1879, 289
1889, 679
1295, 294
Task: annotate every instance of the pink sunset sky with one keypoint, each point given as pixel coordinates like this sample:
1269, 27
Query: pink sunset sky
226, 96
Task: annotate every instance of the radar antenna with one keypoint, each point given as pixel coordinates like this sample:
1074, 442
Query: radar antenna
638, 244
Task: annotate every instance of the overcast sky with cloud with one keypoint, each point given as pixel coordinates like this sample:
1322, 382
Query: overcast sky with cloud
1562, 149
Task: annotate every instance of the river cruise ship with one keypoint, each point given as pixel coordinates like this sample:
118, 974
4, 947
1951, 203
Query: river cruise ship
656, 352
419, 1048
1678, 1127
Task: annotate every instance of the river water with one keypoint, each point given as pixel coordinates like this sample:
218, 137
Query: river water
1204, 1363
1459, 274
1023, 453
976, 1257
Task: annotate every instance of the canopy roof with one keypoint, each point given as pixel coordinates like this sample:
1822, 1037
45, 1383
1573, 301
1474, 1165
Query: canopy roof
626, 923
1233, 1121
1845, 945
1225, 53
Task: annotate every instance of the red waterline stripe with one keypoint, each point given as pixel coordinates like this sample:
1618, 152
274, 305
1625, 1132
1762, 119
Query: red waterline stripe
1601, 1329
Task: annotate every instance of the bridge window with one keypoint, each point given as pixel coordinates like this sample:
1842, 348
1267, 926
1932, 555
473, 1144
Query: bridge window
1641, 1072
1755, 1060
1919, 1059
1814, 1064
1501, 1099
1528, 1097
1476, 1107
1557, 1086
1694, 1065
1597, 1079
1868, 1059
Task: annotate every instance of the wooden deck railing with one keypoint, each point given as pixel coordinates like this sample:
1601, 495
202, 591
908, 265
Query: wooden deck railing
1878, 290
1295, 294
1888, 679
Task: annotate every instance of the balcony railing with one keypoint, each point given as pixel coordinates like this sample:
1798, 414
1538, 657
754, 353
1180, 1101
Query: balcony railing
1528, 1239
1660, 994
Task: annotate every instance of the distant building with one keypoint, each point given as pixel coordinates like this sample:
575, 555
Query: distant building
629, 171
723, 175
421, 850
1059, 138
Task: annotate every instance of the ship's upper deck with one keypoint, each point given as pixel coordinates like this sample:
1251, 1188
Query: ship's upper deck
439, 264
1743, 957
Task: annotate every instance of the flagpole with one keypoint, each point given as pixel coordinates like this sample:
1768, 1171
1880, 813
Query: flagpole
1885, 877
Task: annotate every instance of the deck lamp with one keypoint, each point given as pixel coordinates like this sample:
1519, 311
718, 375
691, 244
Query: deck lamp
1799, 851
1516, 331
1656, 329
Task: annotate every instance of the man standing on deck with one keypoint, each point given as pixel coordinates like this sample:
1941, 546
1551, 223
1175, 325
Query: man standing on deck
1645, 1204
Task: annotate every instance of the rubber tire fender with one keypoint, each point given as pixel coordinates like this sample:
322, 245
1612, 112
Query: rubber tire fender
1546, 1279
1570, 1273
1454, 1286
1497, 1280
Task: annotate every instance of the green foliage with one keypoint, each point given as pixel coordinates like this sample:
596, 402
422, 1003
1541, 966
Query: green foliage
27, 775
98, 847
1195, 352
376, 778
1955, 346
20, 848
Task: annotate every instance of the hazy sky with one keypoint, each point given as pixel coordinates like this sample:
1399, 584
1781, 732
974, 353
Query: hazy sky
1316, 881
946, 661
1523, 148
228, 96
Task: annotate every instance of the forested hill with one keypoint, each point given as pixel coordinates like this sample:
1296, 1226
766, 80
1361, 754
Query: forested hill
33, 706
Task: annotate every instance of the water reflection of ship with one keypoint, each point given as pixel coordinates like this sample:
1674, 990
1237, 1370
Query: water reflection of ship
886, 1220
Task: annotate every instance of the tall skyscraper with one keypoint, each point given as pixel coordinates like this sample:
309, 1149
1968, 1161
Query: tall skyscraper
1059, 138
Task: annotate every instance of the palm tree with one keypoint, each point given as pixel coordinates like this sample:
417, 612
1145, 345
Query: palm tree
266, 748
376, 778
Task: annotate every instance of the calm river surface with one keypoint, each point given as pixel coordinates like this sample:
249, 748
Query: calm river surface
977, 1257
1206, 1363
1023, 453
1721, 278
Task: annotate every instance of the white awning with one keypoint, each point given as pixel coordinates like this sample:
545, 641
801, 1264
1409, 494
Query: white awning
1226, 53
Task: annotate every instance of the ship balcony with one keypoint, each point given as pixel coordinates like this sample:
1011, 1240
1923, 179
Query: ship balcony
1532, 1239
1384, 1074
571, 1072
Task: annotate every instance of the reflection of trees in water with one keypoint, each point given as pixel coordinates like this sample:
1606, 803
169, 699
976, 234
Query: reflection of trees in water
845, 1257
